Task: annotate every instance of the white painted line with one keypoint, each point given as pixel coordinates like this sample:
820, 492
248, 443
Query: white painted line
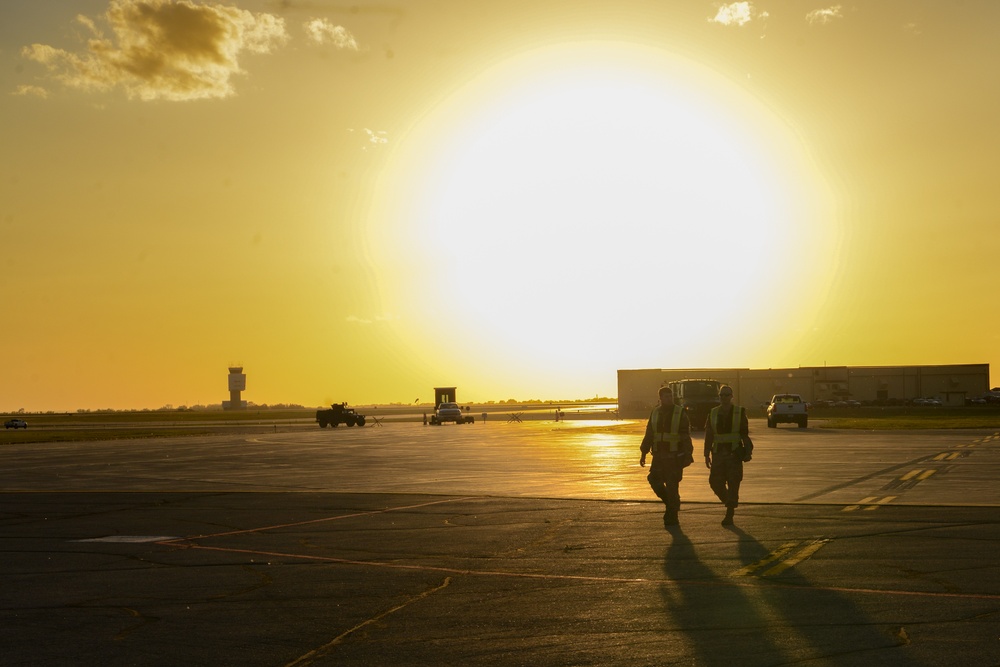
130, 539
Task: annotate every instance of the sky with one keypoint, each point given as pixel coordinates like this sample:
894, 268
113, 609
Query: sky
360, 202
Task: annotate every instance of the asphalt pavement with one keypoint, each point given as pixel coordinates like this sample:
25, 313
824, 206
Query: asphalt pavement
498, 544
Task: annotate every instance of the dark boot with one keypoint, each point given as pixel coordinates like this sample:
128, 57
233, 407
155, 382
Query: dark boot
728, 521
670, 518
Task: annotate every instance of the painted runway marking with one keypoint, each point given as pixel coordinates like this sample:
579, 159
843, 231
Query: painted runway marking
794, 560
130, 539
777, 554
313, 521
780, 559
870, 503
754, 582
313, 655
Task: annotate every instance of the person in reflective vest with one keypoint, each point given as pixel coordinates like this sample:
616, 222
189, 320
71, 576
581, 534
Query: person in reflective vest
668, 437
727, 446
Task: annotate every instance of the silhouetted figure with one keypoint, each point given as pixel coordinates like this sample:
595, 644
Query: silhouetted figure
727, 446
668, 437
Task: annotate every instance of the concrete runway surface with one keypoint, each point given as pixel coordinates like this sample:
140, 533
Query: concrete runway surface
498, 544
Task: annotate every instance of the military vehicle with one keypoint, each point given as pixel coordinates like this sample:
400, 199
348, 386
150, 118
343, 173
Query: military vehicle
697, 397
339, 414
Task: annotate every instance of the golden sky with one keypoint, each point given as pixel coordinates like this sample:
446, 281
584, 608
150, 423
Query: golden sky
362, 201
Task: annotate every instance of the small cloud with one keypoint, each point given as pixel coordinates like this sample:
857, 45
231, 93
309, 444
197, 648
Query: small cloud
736, 13
913, 29
354, 319
31, 91
377, 136
322, 31
824, 16
163, 49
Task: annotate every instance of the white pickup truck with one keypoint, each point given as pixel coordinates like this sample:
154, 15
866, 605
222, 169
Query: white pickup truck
787, 408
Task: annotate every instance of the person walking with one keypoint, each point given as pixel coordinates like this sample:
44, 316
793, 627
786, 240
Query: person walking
668, 437
727, 446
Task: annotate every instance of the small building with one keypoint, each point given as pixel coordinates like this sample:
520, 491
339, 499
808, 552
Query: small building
444, 395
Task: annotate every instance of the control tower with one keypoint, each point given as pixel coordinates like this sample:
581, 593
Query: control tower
237, 384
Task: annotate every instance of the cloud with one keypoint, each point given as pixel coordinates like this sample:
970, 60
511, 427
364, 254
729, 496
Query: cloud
736, 13
322, 31
376, 137
32, 91
163, 49
823, 16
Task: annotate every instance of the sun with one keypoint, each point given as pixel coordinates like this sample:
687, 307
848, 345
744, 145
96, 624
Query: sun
598, 202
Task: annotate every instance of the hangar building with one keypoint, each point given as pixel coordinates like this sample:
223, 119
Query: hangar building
753, 387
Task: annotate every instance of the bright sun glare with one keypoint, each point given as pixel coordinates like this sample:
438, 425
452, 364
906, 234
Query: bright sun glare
597, 201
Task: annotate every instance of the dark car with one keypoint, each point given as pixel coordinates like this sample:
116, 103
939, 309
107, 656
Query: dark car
15, 423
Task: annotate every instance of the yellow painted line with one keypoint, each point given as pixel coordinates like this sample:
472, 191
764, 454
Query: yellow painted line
780, 552
941, 456
954, 455
925, 474
863, 501
797, 558
320, 652
883, 501
910, 474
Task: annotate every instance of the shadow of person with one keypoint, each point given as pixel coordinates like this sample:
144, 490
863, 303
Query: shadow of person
715, 619
810, 622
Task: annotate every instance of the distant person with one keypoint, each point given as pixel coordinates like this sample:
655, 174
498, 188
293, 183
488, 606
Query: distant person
668, 437
727, 446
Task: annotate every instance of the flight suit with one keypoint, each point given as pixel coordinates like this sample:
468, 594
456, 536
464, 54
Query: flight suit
668, 437
727, 440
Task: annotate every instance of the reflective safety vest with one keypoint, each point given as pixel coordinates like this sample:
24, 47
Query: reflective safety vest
733, 437
673, 437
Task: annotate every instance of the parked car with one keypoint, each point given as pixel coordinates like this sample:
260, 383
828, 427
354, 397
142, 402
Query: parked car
927, 402
787, 408
15, 423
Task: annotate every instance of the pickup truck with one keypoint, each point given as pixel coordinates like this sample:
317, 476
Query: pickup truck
787, 408
450, 412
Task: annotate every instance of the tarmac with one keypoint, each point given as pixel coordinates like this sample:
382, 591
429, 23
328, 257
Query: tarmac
501, 544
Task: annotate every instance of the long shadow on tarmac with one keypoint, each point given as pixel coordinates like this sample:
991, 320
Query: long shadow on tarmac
719, 622
827, 625
741, 619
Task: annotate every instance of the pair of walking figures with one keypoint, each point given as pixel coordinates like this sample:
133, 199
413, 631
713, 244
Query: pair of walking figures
727, 447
